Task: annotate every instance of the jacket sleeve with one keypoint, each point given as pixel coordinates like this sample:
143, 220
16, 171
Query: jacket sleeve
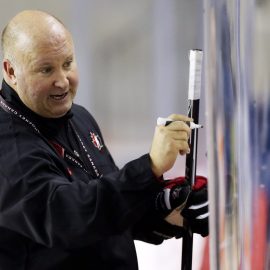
38, 201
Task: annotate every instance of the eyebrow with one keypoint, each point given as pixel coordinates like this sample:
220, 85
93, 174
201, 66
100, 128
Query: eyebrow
48, 62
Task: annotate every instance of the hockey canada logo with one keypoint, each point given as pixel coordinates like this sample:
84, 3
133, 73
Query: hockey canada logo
96, 141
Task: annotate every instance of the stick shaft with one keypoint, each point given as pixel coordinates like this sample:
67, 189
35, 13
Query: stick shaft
190, 174
191, 158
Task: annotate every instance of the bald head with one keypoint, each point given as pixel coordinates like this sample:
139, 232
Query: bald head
39, 62
27, 28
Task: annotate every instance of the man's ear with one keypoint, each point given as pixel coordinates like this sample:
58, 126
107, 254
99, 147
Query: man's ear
9, 72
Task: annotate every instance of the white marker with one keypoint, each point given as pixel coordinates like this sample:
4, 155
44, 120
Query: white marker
166, 121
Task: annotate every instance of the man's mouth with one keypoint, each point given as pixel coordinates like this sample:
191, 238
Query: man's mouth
59, 97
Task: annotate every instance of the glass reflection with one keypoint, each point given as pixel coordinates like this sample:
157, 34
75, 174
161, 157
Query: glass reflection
237, 39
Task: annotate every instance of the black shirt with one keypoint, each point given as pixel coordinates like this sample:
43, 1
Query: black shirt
57, 213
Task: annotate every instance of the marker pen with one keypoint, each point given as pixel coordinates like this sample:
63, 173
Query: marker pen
166, 121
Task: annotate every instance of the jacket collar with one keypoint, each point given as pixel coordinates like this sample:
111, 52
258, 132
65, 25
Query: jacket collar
48, 126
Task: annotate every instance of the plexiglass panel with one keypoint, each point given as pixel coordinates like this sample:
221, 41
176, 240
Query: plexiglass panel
237, 66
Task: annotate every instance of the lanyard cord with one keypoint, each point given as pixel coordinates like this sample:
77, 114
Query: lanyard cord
84, 149
67, 155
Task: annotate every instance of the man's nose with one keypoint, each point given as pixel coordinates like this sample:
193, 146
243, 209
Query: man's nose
61, 80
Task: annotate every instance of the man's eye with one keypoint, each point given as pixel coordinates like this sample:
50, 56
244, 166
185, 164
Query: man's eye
68, 64
46, 70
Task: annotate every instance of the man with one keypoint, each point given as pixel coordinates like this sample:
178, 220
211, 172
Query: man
63, 202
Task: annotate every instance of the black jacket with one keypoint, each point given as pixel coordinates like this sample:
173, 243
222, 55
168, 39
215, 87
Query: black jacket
56, 213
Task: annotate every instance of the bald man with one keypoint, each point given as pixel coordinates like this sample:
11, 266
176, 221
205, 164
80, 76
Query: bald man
63, 202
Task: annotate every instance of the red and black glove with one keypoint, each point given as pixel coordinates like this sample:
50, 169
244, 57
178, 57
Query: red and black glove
174, 195
196, 211
157, 226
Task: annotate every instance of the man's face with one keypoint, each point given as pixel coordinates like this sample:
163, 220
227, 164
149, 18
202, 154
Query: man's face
46, 75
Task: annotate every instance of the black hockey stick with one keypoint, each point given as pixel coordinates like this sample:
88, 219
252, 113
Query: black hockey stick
195, 70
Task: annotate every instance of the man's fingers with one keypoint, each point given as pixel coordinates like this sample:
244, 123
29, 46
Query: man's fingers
180, 117
178, 130
184, 151
177, 135
168, 141
179, 138
183, 136
179, 126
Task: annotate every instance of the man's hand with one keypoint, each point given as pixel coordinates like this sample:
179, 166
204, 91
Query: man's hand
173, 196
181, 205
168, 142
196, 212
